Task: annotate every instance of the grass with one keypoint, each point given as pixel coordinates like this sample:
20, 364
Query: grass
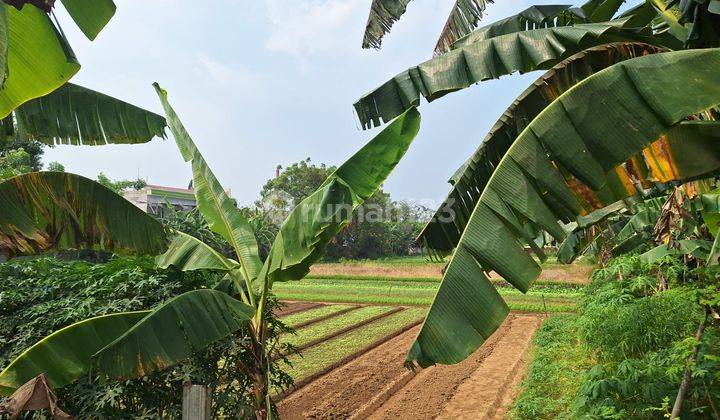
293, 320
550, 297
325, 354
556, 372
329, 326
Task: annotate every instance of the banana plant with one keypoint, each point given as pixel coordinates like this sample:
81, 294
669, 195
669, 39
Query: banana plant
136, 344
465, 16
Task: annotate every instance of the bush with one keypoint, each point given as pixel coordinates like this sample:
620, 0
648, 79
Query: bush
39, 296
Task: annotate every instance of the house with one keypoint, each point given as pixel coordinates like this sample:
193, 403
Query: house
156, 199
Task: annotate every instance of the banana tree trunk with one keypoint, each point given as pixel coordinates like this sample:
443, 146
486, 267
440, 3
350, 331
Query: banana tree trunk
261, 372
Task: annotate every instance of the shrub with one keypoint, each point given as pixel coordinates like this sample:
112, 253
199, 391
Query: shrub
39, 296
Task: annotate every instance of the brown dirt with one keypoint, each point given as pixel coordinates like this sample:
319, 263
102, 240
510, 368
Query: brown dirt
376, 385
290, 308
573, 274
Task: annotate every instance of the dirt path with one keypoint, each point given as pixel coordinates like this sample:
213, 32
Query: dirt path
376, 385
491, 389
291, 307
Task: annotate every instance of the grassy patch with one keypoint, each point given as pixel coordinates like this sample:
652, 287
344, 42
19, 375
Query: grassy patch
323, 355
556, 372
329, 326
550, 297
293, 320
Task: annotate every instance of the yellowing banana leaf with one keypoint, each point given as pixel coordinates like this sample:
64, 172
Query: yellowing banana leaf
318, 218
76, 115
188, 253
172, 333
539, 49
442, 233
218, 209
3, 43
39, 59
44, 211
65, 355
91, 16
639, 100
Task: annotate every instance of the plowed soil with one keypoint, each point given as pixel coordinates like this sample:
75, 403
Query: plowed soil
376, 385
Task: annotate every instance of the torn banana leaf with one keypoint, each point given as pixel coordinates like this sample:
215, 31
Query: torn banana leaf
638, 100
539, 49
76, 115
43, 211
443, 232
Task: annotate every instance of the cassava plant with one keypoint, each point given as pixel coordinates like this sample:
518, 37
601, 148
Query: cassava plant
135, 344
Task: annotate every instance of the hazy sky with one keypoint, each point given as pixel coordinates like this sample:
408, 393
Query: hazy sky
267, 82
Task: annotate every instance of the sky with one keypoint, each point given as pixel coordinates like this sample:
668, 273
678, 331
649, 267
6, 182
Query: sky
267, 82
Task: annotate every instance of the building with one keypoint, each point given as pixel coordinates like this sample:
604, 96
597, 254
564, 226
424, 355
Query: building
156, 199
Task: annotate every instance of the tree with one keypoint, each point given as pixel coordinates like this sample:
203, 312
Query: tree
550, 159
55, 167
130, 347
121, 185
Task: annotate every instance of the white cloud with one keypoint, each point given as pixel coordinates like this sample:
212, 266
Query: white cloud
303, 27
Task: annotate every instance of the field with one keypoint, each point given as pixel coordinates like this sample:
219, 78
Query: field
355, 321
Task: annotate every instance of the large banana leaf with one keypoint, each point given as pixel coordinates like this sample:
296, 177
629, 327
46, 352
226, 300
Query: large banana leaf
218, 209
318, 218
65, 355
442, 233
41, 211
3, 44
90, 15
39, 58
173, 332
589, 130
188, 253
76, 115
538, 49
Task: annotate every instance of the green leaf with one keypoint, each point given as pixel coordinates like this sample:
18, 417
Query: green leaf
65, 355
90, 15
539, 49
443, 232
173, 332
39, 58
218, 209
76, 115
188, 253
318, 218
3, 43
534, 17
639, 100
696, 248
44, 211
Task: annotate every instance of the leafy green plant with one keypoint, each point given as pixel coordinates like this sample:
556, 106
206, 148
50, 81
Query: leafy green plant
195, 319
39, 296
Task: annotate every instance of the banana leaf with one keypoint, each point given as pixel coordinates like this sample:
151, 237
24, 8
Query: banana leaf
443, 232
65, 355
539, 49
44, 211
39, 59
318, 218
91, 16
188, 253
465, 16
697, 248
218, 209
172, 333
76, 115
589, 130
